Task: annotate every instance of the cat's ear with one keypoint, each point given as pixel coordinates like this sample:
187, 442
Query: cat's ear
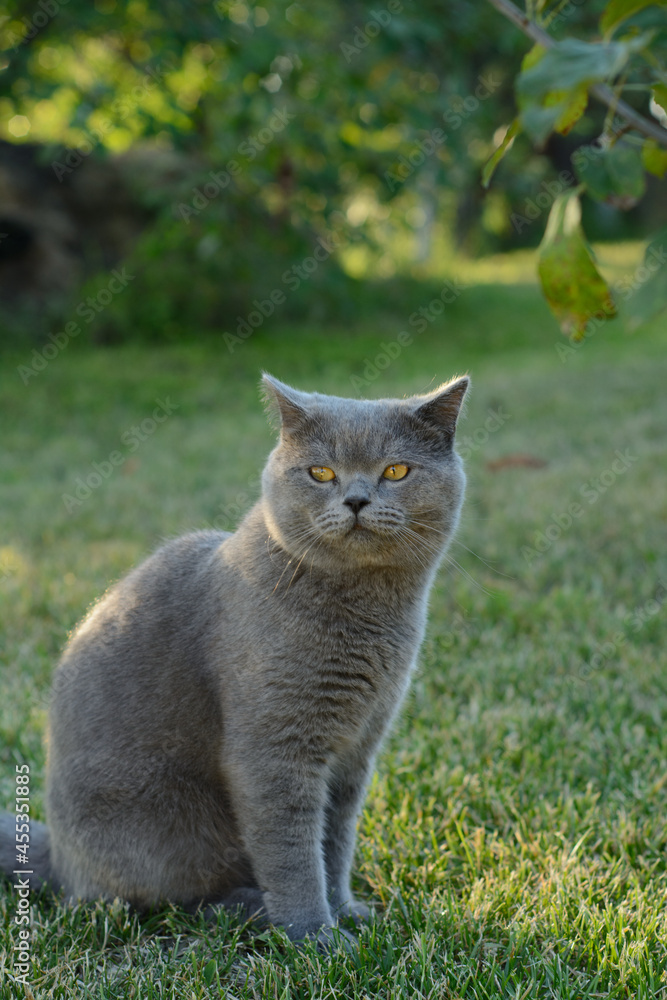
287, 404
440, 409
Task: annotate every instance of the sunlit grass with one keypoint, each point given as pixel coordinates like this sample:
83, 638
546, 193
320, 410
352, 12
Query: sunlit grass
514, 838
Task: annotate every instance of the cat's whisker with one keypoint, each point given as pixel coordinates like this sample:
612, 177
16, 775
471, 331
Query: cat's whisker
312, 561
453, 561
285, 568
456, 541
419, 540
436, 550
449, 559
404, 533
412, 550
318, 542
483, 561
431, 527
308, 533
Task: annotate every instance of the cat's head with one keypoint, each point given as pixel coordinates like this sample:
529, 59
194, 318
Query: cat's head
364, 483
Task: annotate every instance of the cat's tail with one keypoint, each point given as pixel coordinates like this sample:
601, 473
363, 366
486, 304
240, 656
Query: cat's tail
33, 864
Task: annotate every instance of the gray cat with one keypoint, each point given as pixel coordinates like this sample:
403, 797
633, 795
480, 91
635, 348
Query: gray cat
215, 718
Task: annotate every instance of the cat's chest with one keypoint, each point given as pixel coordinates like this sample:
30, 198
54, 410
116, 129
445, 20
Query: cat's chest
320, 661
352, 659
375, 646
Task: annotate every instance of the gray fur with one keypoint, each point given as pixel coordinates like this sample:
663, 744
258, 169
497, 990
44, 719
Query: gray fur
215, 718
38, 871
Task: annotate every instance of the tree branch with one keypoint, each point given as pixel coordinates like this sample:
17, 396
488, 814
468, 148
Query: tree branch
600, 91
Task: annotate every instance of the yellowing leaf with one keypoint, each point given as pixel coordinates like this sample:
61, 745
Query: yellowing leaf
575, 105
532, 57
654, 158
572, 285
558, 110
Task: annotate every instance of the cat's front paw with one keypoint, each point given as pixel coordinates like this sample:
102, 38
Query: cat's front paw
354, 910
330, 939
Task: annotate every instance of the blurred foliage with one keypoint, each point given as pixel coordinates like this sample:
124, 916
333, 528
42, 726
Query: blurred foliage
327, 132
553, 89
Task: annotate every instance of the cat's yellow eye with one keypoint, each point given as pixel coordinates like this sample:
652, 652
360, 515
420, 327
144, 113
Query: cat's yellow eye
396, 471
322, 474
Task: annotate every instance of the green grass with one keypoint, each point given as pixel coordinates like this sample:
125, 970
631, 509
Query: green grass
514, 840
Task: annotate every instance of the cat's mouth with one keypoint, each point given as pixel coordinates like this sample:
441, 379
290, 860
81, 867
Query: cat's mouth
360, 531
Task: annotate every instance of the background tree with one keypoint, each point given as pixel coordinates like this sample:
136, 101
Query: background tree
252, 131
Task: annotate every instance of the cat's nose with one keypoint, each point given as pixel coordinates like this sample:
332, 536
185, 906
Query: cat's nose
356, 502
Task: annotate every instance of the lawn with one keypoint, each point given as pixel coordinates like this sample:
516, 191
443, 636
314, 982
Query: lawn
513, 842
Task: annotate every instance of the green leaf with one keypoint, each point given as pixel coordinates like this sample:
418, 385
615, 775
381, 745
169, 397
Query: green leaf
644, 293
614, 174
544, 103
560, 111
660, 95
620, 10
576, 62
496, 157
572, 285
540, 121
208, 972
654, 158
